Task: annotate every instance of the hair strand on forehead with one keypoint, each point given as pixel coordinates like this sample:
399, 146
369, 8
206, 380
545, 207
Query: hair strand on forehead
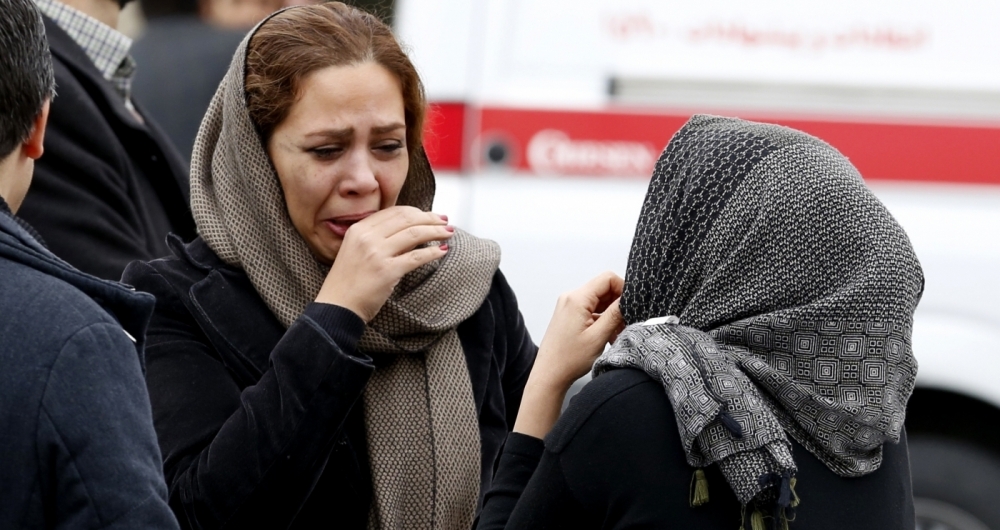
297, 42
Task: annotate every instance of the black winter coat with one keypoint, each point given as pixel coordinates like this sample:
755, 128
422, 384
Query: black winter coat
262, 427
109, 188
77, 447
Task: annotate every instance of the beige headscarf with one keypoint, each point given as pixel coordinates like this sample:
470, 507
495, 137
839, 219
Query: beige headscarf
423, 432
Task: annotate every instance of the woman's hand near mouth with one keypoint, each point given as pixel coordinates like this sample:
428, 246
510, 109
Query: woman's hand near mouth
377, 252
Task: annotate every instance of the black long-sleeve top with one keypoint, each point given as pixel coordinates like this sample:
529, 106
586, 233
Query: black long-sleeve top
615, 460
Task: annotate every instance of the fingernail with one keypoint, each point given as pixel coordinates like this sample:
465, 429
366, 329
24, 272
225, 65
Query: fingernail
443, 217
444, 247
450, 228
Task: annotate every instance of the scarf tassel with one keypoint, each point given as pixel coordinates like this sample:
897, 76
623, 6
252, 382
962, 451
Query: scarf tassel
784, 505
699, 488
758, 521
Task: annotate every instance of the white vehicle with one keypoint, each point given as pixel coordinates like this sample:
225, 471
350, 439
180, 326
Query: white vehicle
548, 116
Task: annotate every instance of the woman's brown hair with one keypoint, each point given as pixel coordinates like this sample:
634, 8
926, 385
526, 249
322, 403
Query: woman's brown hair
299, 41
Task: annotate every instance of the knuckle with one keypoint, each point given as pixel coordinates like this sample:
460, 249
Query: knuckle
410, 214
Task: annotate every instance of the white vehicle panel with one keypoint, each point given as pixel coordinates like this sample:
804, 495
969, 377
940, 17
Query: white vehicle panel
558, 232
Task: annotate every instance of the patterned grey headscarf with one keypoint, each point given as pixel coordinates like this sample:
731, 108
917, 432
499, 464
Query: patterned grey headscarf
790, 291
420, 415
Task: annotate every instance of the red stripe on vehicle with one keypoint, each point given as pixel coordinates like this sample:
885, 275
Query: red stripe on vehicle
616, 143
444, 129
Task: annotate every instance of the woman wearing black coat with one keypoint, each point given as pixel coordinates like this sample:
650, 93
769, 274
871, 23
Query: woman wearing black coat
763, 378
329, 353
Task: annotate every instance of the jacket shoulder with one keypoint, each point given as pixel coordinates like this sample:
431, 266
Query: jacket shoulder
43, 310
502, 301
497, 317
500, 290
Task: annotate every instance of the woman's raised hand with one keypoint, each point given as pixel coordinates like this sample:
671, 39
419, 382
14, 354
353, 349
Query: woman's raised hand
377, 252
584, 321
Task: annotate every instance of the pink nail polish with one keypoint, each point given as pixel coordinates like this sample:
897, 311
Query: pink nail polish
443, 217
450, 228
444, 247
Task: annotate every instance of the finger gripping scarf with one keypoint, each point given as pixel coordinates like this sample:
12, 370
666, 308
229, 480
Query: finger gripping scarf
420, 416
793, 291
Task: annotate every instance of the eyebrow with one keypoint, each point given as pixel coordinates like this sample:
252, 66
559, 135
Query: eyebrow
349, 131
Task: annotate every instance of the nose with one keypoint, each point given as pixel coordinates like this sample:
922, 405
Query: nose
358, 177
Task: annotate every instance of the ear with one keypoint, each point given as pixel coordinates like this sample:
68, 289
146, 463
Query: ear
33, 147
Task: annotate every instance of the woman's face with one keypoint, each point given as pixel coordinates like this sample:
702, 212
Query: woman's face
341, 152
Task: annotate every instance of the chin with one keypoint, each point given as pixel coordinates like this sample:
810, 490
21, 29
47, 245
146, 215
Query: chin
323, 251
329, 255
326, 257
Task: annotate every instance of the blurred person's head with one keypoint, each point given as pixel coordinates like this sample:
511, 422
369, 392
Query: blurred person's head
340, 109
231, 14
26, 87
237, 14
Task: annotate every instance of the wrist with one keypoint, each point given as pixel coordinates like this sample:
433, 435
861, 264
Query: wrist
541, 405
551, 378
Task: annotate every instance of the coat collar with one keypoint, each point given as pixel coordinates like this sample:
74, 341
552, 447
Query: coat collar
230, 312
65, 48
5, 209
132, 309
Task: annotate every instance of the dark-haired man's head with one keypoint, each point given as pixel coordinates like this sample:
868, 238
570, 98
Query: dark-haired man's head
26, 86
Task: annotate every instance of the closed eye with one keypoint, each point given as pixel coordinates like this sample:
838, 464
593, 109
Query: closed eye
326, 152
389, 148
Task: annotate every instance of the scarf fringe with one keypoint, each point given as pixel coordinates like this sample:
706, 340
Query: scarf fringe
783, 512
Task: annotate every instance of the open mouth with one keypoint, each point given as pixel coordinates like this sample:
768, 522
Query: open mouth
346, 224
339, 225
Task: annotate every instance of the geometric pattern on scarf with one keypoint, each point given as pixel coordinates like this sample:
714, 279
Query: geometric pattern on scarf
425, 460
702, 384
767, 240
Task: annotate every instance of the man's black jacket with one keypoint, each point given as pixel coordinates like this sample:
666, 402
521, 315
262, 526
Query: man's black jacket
109, 188
263, 427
